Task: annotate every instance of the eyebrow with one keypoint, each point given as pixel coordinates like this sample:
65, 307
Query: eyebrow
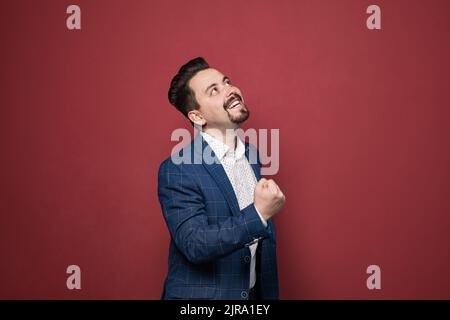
225, 78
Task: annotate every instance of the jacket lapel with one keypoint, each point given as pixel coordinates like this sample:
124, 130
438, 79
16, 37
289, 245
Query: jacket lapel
255, 166
219, 175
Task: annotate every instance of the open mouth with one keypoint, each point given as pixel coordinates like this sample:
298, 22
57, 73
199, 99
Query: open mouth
234, 102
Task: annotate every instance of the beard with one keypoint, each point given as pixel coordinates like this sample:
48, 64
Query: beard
240, 117
237, 116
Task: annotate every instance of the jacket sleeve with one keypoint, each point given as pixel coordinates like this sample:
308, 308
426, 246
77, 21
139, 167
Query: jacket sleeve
183, 207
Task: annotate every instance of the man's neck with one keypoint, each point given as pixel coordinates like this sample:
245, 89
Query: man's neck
226, 136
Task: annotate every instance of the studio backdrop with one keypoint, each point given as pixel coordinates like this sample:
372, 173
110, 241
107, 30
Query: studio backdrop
357, 90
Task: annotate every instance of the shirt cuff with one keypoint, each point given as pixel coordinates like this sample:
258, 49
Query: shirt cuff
262, 219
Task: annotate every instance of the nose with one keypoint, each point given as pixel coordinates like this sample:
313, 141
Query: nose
230, 90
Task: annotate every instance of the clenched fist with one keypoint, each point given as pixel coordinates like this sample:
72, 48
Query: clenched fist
268, 198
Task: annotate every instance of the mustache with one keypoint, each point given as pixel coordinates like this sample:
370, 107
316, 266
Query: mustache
234, 97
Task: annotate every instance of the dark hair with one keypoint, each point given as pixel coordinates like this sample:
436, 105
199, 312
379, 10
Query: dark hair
181, 95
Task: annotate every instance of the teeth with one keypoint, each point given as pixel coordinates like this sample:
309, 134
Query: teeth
234, 104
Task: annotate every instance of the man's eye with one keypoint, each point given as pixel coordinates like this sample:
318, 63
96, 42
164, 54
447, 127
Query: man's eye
228, 82
213, 91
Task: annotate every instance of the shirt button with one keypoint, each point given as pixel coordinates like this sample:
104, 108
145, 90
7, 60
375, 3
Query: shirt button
247, 259
244, 294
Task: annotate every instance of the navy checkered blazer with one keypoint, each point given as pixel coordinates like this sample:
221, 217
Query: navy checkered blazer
209, 256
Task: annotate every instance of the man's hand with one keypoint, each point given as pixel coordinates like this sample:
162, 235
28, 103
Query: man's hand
268, 198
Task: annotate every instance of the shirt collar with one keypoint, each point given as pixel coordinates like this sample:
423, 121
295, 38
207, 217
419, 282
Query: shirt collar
220, 148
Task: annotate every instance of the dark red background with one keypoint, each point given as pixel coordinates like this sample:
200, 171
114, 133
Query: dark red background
364, 128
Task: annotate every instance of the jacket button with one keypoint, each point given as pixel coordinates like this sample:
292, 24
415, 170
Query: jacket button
247, 259
244, 294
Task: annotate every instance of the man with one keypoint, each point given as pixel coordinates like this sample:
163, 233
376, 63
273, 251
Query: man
218, 212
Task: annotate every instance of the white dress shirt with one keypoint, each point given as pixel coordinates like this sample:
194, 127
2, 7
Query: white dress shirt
243, 180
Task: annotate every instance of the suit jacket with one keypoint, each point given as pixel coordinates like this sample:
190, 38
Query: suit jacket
209, 256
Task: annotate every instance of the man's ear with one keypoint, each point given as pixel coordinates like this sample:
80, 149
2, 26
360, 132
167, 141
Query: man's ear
196, 117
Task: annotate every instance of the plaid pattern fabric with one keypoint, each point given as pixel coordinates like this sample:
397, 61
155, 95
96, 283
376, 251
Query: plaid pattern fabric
209, 256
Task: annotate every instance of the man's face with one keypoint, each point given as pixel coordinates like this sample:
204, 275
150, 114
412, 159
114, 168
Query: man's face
221, 103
